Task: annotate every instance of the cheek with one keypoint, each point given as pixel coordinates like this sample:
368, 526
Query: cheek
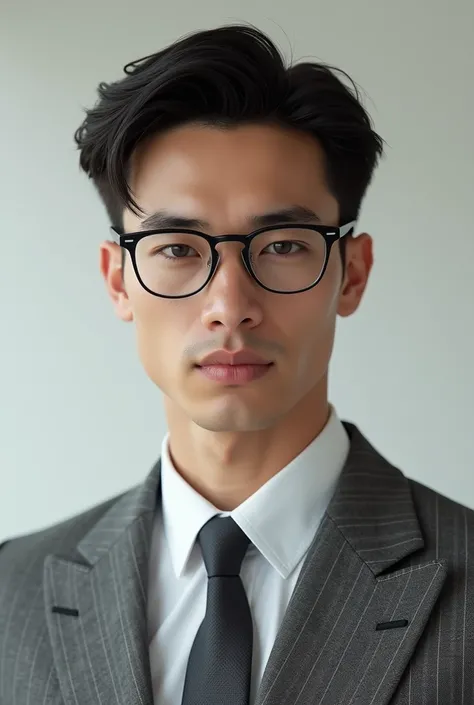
310, 329
162, 327
154, 333
314, 311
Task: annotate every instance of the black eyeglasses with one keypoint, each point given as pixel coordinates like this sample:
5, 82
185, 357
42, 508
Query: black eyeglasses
175, 263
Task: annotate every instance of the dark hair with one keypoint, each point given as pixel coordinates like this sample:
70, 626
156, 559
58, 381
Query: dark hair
225, 77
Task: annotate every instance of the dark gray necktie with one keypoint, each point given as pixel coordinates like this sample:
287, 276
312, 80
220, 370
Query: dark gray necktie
220, 662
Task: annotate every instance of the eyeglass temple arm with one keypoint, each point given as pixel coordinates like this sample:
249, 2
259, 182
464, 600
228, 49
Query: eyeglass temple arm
115, 235
345, 229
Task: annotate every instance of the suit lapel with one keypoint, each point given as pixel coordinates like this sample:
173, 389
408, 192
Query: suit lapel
328, 649
101, 654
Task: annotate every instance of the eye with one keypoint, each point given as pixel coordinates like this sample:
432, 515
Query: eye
178, 251
288, 244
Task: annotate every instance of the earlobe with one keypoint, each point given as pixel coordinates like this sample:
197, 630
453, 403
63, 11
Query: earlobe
122, 306
111, 269
347, 299
359, 260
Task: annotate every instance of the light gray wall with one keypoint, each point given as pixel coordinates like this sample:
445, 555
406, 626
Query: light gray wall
80, 421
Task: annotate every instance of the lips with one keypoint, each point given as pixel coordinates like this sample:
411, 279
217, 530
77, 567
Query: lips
242, 357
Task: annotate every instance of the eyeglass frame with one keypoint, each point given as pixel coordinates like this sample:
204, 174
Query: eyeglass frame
330, 233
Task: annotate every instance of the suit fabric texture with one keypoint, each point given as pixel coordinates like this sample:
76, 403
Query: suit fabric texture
382, 613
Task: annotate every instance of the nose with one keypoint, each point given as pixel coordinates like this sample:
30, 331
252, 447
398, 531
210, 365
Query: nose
232, 297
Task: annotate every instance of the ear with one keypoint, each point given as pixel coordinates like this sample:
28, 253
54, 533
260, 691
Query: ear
359, 261
110, 262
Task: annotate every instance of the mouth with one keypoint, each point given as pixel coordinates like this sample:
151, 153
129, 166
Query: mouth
234, 374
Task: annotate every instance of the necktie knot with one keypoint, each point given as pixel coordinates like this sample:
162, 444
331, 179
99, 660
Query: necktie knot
223, 546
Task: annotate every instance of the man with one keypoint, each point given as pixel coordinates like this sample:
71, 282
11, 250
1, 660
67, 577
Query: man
272, 556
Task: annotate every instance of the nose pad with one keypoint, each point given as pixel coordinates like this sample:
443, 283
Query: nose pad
242, 264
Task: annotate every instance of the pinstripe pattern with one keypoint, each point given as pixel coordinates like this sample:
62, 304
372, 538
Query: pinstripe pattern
388, 549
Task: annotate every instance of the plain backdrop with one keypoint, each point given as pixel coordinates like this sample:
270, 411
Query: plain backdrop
80, 421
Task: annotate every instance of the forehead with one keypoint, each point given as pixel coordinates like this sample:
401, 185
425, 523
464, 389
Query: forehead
228, 172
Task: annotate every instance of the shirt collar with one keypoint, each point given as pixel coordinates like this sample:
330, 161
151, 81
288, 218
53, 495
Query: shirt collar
280, 518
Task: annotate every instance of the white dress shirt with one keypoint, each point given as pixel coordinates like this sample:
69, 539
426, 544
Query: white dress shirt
280, 519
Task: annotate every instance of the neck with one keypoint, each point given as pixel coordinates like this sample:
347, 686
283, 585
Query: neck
228, 467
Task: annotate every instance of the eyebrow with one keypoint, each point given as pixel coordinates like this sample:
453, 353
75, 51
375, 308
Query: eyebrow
293, 214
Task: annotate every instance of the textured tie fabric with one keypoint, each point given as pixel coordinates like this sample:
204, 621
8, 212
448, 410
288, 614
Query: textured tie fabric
220, 662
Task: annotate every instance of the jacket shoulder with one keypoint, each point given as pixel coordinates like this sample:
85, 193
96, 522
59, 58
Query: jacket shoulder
22, 619
447, 526
21, 551
424, 496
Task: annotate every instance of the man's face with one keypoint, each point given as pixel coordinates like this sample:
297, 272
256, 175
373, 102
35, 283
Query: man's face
226, 177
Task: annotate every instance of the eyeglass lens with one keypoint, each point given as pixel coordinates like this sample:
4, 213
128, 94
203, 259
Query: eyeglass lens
178, 264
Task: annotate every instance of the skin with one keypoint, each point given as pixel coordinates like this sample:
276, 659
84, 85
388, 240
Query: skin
228, 441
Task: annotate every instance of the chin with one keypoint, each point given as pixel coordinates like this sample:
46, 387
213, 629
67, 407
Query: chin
233, 416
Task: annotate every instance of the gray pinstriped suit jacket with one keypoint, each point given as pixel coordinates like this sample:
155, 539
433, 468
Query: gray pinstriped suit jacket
388, 549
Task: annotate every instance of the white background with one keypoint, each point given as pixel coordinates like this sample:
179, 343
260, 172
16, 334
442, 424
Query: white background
80, 421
